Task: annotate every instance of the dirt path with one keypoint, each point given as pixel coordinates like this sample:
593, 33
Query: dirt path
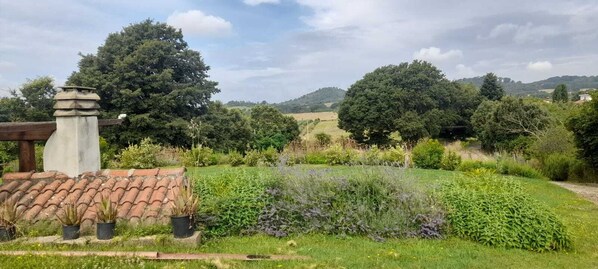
588, 191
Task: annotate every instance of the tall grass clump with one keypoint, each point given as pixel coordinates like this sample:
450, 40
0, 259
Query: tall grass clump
471, 165
509, 166
495, 211
232, 202
376, 203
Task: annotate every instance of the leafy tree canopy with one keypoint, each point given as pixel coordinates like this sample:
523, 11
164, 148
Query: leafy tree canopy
148, 72
491, 88
584, 125
33, 101
506, 124
271, 128
414, 99
222, 129
560, 94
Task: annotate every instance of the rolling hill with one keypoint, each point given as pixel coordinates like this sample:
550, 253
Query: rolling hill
518, 88
323, 99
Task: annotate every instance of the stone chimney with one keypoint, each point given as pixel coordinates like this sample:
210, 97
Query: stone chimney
74, 147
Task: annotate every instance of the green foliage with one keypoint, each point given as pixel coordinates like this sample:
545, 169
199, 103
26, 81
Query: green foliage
555, 140
584, 125
39, 158
497, 212
394, 156
141, 156
450, 161
235, 158
414, 99
337, 155
323, 139
518, 88
231, 203
221, 129
107, 153
509, 166
560, 94
557, 166
186, 203
106, 211
471, 165
371, 156
315, 157
199, 156
33, 101
269, 156
504, 124
69, 215
372, 202
428, 154
252, 158
271, 128
491, 89
148, 72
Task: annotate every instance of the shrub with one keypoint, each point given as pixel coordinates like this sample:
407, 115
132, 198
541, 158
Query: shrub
269, 156
337, 155
199, 156
371, 156
470, 165
557, 166
450, 161
375, 203
315, 157
496, 211
427, 154
141, 156
323, 139
231, 203
107, 153
252, 158
511, 167
394, 156
235, 158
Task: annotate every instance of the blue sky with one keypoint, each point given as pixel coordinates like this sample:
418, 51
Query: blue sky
275, 50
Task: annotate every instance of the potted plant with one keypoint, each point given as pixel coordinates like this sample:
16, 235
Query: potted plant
106, 214
9, 215
184, 209
71, 221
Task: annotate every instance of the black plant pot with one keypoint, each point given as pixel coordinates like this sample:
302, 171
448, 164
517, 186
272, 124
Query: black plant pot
105, 231
182, 226
70, 232
7, 234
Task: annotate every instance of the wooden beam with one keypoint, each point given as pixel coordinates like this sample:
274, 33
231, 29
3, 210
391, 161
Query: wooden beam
26, 156
37, 131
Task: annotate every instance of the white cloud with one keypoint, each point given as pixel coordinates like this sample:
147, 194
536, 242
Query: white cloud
434, 54
464, 71
195, 22
259, 2
540, 66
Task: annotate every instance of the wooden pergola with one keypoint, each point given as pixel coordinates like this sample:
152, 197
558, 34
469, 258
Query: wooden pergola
26, 133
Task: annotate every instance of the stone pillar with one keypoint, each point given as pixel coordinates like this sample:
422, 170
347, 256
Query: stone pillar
74, 147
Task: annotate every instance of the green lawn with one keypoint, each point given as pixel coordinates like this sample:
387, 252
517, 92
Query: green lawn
580, 216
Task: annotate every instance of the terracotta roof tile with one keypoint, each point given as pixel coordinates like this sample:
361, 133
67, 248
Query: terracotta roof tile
44, 175
146, 172
141, 195
17, 176
66, 185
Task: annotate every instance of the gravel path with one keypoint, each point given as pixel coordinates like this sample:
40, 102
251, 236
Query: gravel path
588, 190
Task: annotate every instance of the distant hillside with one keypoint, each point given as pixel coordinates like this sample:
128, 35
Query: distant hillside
323, 99
518, 88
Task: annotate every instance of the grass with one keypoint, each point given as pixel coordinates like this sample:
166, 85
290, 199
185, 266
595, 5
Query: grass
580, 216
323, 116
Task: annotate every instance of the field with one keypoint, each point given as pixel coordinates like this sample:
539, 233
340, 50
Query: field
328, 123
327, 251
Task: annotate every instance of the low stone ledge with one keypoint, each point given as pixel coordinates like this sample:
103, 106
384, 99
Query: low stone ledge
192, 241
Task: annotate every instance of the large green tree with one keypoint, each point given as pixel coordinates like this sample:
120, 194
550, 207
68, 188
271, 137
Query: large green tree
148, 72
33, 101
222, 129
413, 99
584, 125
491, 88
271, 128
560, 94
509, 124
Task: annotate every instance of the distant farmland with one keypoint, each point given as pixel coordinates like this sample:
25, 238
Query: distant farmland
328, 123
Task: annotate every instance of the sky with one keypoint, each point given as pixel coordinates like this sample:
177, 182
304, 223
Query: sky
275, 50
